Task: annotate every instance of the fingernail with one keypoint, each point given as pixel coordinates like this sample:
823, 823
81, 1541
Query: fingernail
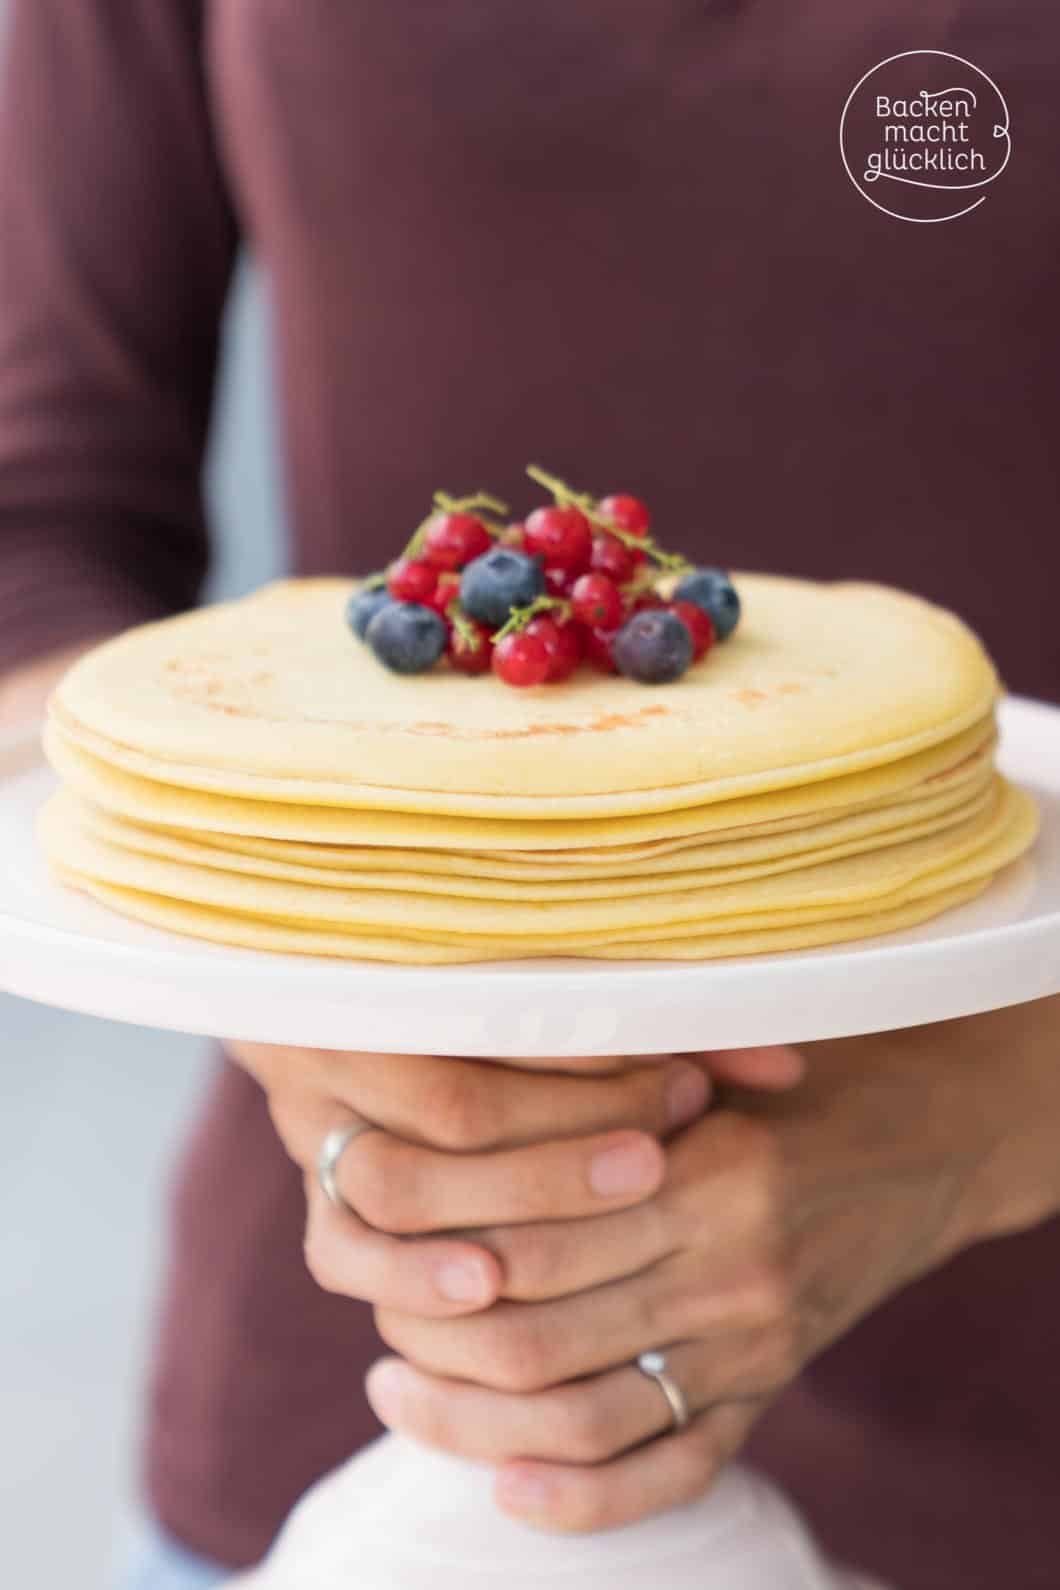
686, 1094
461, 1282
524, 1492
385, 1385
629, 1168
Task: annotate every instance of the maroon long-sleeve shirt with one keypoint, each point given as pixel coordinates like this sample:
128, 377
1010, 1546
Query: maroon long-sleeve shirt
616, 236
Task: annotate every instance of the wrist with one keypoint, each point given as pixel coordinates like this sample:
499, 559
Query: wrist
24, 690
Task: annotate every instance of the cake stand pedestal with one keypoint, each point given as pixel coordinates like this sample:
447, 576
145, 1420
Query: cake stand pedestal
400, 1517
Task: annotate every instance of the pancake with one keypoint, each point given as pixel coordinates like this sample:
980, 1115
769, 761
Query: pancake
952, 762
451, 873
230, 929
884, 879
271, 699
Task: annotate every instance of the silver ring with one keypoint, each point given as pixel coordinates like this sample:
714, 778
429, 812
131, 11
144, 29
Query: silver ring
653, 1364
331, 1151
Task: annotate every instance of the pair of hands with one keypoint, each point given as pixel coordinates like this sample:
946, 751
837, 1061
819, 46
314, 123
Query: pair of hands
517, 1268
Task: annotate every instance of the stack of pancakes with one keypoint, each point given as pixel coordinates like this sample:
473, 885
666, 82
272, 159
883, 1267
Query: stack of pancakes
251, 774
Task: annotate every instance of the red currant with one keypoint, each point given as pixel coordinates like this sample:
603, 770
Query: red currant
645, 599
699, 626
562, 642
445, 591
453, 539
610, 557
521, 659
561, 537
598, 649
559, 581
465, 657
597, 602
628, 513
411, 580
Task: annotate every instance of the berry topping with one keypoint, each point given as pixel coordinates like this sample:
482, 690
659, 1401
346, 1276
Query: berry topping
521, 659
627, 513
598, 649
411, 580
562, 642
625, 518
453, 539
577, 580
561, 537
653, 647
469, 646
407, 637
447, 590
699, 625
714, 592
498, 581
597, 602
363, 605
610, 557
558, 582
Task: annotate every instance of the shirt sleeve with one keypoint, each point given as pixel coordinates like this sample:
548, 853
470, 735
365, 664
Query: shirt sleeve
117, 242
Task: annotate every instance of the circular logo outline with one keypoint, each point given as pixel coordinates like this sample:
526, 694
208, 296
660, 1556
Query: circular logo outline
999, 132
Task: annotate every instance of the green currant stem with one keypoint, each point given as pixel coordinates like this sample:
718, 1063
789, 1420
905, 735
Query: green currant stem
477, 499
521, 616
641, 582
444, 503
416, 540
564, 495
463, 626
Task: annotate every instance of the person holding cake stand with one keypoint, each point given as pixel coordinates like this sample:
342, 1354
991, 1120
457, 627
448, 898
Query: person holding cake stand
619, 236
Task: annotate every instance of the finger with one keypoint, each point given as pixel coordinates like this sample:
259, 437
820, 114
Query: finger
774, 1068
749, 1340
402, 1188
585, 1421
436, 1278
555, 1258
528, 1347
572, 1499
479, 1105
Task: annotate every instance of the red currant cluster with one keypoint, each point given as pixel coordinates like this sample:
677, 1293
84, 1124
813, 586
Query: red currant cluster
533, 599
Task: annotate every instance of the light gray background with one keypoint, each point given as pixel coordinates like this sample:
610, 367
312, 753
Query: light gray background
91, 1117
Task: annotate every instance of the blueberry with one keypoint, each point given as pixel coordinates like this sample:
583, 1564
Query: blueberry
714, 592
499, 580
363, 605
653, 646
407, 638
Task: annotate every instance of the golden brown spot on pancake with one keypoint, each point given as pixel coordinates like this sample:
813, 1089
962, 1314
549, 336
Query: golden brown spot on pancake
750, 698
793, 688
601, 724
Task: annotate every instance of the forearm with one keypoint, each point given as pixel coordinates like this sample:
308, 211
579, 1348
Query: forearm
1015, 1063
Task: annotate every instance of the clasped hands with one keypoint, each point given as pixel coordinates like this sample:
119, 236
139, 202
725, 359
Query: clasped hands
524, 1234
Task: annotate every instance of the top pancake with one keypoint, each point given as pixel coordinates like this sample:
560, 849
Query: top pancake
271, 698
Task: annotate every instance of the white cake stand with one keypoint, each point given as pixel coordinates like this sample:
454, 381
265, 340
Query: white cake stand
399, 1517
